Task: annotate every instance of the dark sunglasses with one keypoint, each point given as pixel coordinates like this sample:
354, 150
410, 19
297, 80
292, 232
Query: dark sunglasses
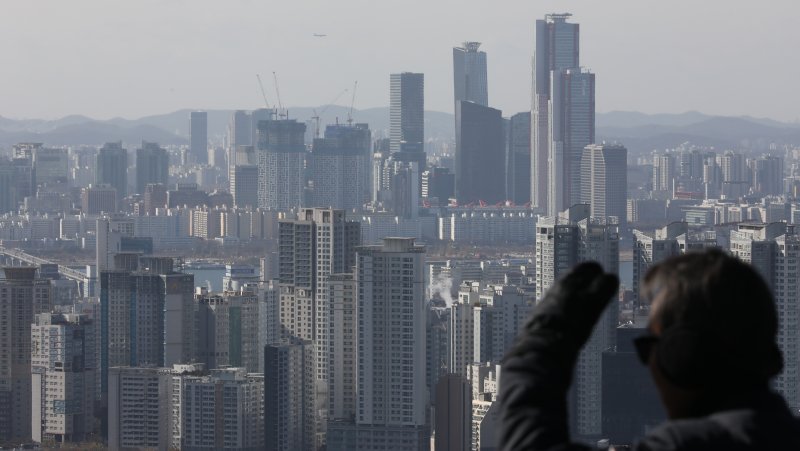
644, 345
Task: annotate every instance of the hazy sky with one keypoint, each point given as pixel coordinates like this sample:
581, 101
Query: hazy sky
106, 58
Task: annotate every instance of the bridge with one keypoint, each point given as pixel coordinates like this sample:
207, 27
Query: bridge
16, 257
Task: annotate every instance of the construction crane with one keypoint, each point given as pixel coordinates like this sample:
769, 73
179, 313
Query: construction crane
263, 93
352, 102
281, 113
316, 115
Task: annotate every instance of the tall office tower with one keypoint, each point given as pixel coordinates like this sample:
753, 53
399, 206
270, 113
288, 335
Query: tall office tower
571, 130
768, 175
391, 392
561, 243
98, 199
407, 119
663, 174
221, 410
453, 414
22, 296
50, 166
139, 408
227, 330
605, 180
556, 49
8, 189
240, 130
289, 421
480, 154
244, 186
64, 373
773, 249
152, 166
518, 158
111, 168
147, 315
320, 242
198, 131
256, 118
22, 160
407, 112
339, 167
281, 159
469, 74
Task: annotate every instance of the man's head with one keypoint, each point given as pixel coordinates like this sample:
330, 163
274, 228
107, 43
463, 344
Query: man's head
713, 325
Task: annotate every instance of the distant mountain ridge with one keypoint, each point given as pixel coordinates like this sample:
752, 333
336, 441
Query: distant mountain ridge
640, 132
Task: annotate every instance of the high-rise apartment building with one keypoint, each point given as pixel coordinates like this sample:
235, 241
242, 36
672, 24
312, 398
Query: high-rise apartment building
773, 250
64, 377
221, 410
22, 296
605, 180
227, 330
198, 136
318, 243
281, 164
407, 112
518, 158
152, 166
556, 49
289, 396
469, 74
391, 391
480, 154
561, 243
339, 167
139, 408
663, 174
147, 315
111, 168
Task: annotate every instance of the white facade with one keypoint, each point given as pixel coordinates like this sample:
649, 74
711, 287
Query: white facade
64, 376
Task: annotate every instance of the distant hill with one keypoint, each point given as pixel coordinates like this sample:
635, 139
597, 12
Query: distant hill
638, 131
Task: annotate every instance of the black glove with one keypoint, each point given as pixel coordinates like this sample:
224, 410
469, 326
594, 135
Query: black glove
572, 306
537, 373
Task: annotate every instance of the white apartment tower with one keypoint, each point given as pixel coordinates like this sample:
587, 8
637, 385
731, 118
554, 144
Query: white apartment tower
561, 243
774, 250
64, 377
391, 392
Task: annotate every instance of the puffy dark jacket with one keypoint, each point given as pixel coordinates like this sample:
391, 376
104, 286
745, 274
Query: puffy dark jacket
536, 376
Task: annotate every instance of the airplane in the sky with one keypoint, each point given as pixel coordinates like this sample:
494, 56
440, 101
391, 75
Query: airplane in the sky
317, 35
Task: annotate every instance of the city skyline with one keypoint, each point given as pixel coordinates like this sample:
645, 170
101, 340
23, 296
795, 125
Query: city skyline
185, 77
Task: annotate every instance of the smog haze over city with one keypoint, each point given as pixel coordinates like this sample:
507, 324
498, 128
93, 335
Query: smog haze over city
399, 225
